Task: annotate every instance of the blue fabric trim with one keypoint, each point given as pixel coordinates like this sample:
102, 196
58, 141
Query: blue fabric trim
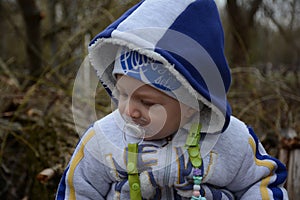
229, 196
176, 195
183, 172
107, 32
217, 194
227, 116
61, 191
154, 184
281, 172
119, 185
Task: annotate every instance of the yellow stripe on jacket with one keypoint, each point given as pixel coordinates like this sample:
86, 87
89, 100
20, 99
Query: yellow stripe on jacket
78, 156
265, 163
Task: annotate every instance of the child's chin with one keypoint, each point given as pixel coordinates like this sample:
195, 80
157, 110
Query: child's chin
152, 137
157, 136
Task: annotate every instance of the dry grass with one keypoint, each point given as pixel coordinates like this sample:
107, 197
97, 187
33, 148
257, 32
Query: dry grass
268, 102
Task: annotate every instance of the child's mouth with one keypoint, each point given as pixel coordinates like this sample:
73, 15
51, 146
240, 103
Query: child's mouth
133, 133
139, 129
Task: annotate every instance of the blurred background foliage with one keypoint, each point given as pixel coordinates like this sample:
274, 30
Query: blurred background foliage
44, 43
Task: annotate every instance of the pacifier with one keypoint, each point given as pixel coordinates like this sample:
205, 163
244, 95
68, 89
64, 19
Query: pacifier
133, 133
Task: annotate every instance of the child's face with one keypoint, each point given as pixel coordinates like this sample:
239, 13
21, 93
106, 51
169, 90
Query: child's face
159, 114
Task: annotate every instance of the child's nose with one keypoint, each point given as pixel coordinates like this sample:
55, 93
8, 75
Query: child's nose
132, 109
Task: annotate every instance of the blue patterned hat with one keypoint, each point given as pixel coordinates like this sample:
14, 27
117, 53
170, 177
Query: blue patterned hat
152, 72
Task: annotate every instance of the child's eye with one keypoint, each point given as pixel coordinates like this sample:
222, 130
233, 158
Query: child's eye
147, 103
123, 96
119, 94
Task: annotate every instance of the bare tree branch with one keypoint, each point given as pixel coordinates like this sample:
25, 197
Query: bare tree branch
255, 5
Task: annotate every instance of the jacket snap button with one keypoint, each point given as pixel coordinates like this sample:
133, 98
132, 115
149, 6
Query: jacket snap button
130, 167
135, 186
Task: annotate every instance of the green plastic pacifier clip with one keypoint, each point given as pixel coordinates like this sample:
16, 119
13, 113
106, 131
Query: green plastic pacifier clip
133, 174
192, 143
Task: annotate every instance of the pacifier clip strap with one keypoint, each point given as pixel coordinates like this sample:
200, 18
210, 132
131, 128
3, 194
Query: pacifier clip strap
193, 146
192, 143
132, 171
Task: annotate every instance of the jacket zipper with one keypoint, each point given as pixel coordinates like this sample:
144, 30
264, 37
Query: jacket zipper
167, 172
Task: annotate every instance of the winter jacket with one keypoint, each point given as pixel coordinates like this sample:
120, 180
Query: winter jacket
236, 168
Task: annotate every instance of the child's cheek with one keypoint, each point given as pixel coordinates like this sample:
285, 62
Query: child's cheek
121, 107
158, 119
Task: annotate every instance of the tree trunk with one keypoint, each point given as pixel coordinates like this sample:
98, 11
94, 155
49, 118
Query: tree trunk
293, 183
290, 156
241, 22
1, 28
32, 18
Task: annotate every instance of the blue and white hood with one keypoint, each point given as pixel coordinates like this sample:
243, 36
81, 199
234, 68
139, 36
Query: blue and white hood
186, 36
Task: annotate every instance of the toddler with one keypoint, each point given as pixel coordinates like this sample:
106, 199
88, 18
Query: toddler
172, 135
